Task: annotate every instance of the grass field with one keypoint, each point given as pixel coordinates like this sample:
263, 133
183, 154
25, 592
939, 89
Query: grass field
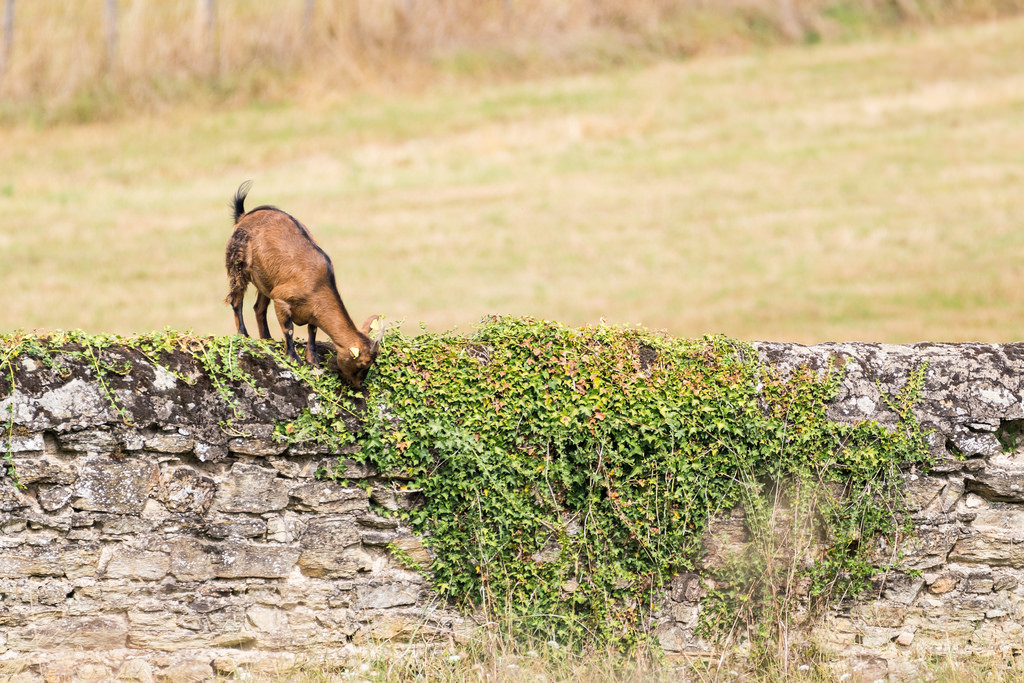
869, 191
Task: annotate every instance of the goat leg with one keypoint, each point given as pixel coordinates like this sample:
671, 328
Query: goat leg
237, 308
289, 336
284, 316
260, 308
311, 356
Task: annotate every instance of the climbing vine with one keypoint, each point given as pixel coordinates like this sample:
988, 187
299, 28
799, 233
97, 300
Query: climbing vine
567, 474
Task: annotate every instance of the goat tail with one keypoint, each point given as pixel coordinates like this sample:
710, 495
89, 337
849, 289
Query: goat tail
238, 204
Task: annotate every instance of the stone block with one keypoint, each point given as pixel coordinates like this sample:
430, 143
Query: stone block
876, 638
53, 498
946, 626
905, 638
929, 547
280, 529
987, 549
210, 452
293, 467
186, 490
38, 468
1004, 582
169, 639
951, 495
396, 499
36, 522
979, 582
80, 560
377, 522
260, 448
943, 584
76, 403
412, 547
93, 441
1000, 521
267, 619
172, 442
350, 469
60, 669
117, 527
403, 627
136, 671
922, 490
997, 485
244, 527
299, 466
234, 639
330, 563
903, 591
188, 671
33, 591
328, 497
137, 565
250, 488
329, 532
192, 560
686, 615
881, 615
119, 486
308, 448
379, 539
70, 633
157, 620
206, 604
12, 498
48, 560
671, 637
972, 443
386, 596
20, 443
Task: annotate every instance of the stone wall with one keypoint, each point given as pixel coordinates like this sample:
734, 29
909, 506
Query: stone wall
163, 534
961, 589
151, 542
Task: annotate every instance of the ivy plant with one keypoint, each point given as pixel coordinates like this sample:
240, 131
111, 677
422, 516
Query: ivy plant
567, 474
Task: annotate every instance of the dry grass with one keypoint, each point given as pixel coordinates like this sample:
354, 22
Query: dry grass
60, 66
483, 655
860, 191
499, 660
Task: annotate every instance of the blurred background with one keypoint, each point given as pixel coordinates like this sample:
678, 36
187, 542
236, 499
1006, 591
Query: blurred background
805, 170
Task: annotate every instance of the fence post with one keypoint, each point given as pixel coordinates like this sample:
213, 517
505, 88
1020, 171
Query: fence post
208, 8
789, 21
110, 30
307, 20
8, 38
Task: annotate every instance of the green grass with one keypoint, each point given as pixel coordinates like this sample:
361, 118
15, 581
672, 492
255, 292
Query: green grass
862, 191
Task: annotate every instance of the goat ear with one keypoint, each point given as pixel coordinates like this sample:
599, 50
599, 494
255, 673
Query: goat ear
354, 350
373, 327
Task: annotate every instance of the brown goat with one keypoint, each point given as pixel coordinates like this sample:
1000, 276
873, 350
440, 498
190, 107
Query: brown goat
276, 253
